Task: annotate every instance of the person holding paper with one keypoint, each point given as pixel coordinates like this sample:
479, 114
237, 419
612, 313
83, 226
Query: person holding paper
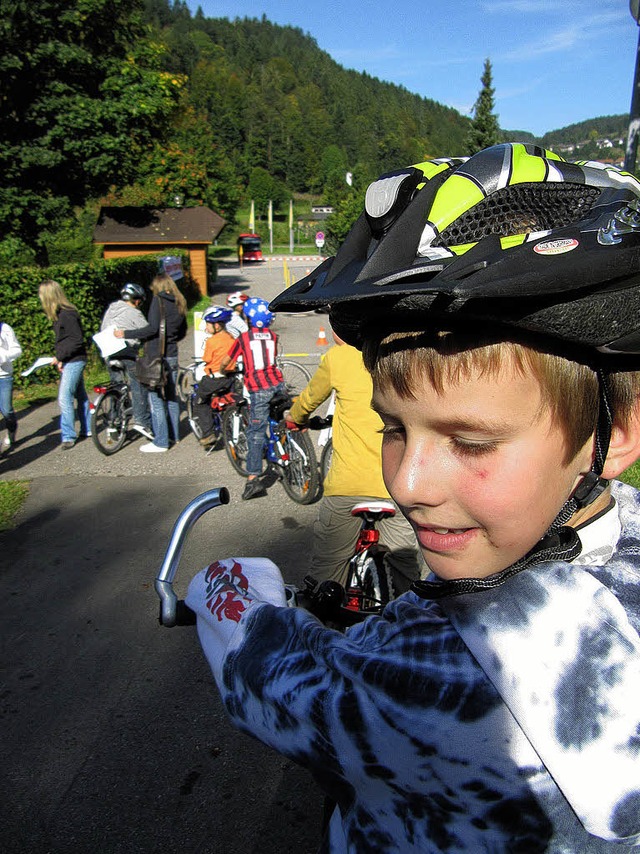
125, 313
10, 350
70, 359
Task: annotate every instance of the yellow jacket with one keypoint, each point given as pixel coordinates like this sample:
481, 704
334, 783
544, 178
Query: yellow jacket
357, 442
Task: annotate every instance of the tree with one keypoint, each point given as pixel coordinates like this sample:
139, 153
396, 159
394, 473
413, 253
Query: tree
484, 130
82, 94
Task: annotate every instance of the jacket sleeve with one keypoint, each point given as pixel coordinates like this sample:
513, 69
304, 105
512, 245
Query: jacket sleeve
317, 391
151, 329
10, 348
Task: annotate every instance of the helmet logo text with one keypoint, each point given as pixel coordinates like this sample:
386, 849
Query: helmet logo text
556, 247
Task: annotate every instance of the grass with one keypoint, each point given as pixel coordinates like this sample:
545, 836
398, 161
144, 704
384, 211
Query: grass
13, 494
632, 475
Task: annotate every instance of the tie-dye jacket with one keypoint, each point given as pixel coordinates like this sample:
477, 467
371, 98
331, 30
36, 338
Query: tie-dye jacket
499, 721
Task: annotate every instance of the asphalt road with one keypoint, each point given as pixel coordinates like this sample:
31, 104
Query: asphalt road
113, 737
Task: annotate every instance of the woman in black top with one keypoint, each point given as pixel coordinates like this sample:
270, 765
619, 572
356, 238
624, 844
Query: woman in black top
70, 359
165, 408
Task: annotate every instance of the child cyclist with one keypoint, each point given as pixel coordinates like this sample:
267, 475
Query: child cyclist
262, 378
494, 707
214, 382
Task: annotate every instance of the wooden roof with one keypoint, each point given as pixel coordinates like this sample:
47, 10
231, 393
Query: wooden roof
166, 226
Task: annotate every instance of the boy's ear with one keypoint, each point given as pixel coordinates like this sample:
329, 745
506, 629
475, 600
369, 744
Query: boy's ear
624, 447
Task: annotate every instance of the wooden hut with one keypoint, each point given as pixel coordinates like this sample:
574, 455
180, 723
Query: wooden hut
125, 231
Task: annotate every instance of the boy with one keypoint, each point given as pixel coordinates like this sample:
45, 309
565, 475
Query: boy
493, 707
236, 325
262, 378
214, 382
126, 313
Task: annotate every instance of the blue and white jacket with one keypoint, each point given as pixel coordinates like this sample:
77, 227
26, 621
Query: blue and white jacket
506, 720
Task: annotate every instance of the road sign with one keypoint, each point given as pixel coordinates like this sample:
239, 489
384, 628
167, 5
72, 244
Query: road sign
320, 239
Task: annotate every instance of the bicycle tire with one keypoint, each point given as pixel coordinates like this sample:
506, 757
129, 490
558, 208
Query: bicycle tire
300, 477
295, 375
235, 437
185, 382
109, 421
325, 459
374, 581
193, 421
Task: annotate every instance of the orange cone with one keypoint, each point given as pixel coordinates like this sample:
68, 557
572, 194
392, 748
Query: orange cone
322, 338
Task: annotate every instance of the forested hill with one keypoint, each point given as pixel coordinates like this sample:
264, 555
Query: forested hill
274, 99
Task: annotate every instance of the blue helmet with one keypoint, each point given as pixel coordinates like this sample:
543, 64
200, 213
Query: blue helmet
217, 314
257, 312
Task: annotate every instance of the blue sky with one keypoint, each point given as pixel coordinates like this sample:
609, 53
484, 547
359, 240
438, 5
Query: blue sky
555, 62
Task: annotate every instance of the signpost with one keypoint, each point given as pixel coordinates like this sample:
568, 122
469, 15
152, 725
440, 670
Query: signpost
320, 239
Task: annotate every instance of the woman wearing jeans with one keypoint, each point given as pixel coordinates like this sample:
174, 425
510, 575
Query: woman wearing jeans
10, 350
71, 358
165, 408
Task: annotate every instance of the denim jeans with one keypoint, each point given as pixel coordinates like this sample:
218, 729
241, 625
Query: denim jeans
257, 430
6, 405
165, 412
139, 395
72, 390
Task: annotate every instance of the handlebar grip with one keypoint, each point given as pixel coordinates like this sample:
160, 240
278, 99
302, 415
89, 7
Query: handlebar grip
184, 615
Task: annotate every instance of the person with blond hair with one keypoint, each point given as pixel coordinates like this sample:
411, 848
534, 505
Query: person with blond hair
168, 303
70, 359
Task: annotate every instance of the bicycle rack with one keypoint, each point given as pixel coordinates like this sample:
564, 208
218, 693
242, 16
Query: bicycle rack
171, 609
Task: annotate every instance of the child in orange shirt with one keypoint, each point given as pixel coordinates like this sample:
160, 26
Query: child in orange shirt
214, 382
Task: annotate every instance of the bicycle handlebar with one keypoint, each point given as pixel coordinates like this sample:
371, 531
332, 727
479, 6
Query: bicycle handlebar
324, 599
173, 612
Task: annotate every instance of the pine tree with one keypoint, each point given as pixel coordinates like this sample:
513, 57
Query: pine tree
484, 130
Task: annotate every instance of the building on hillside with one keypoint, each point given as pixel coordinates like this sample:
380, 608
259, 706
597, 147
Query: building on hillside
126, 231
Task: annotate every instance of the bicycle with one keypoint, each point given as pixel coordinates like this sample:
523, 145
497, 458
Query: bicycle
187, 377
328, 600
111, 414
290, 454
295, 375
220, 404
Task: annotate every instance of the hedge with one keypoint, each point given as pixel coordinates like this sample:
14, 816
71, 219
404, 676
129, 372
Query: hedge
90, 287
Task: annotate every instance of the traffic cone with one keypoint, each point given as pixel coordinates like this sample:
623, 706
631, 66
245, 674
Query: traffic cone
322, 338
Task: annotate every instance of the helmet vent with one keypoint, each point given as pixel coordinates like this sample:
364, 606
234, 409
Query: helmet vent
520, 209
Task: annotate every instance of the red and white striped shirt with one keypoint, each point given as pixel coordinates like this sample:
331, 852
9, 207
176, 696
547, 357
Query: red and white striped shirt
258, 348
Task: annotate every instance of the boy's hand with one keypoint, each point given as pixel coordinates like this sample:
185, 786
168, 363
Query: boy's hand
289, 423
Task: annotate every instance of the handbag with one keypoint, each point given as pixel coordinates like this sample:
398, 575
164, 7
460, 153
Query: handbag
151, 371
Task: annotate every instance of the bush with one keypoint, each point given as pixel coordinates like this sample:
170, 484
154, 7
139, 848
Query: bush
90, 287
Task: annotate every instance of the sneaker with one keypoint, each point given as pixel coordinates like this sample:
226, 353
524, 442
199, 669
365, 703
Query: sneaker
150, 448
144, 431
10, 438
253, 489
66, 446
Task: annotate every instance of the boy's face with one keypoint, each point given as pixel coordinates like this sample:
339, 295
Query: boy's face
210, 328
478, 470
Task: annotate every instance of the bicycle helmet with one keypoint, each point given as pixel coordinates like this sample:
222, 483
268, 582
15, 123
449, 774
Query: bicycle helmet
257, 312
132, 291
217, 314
236, 298
513, 236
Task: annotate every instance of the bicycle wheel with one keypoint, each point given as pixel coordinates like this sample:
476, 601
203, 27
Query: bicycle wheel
300, 477
109, 422
296, 376
325, 459
184, 384
374, 580
235, 422
196, 429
